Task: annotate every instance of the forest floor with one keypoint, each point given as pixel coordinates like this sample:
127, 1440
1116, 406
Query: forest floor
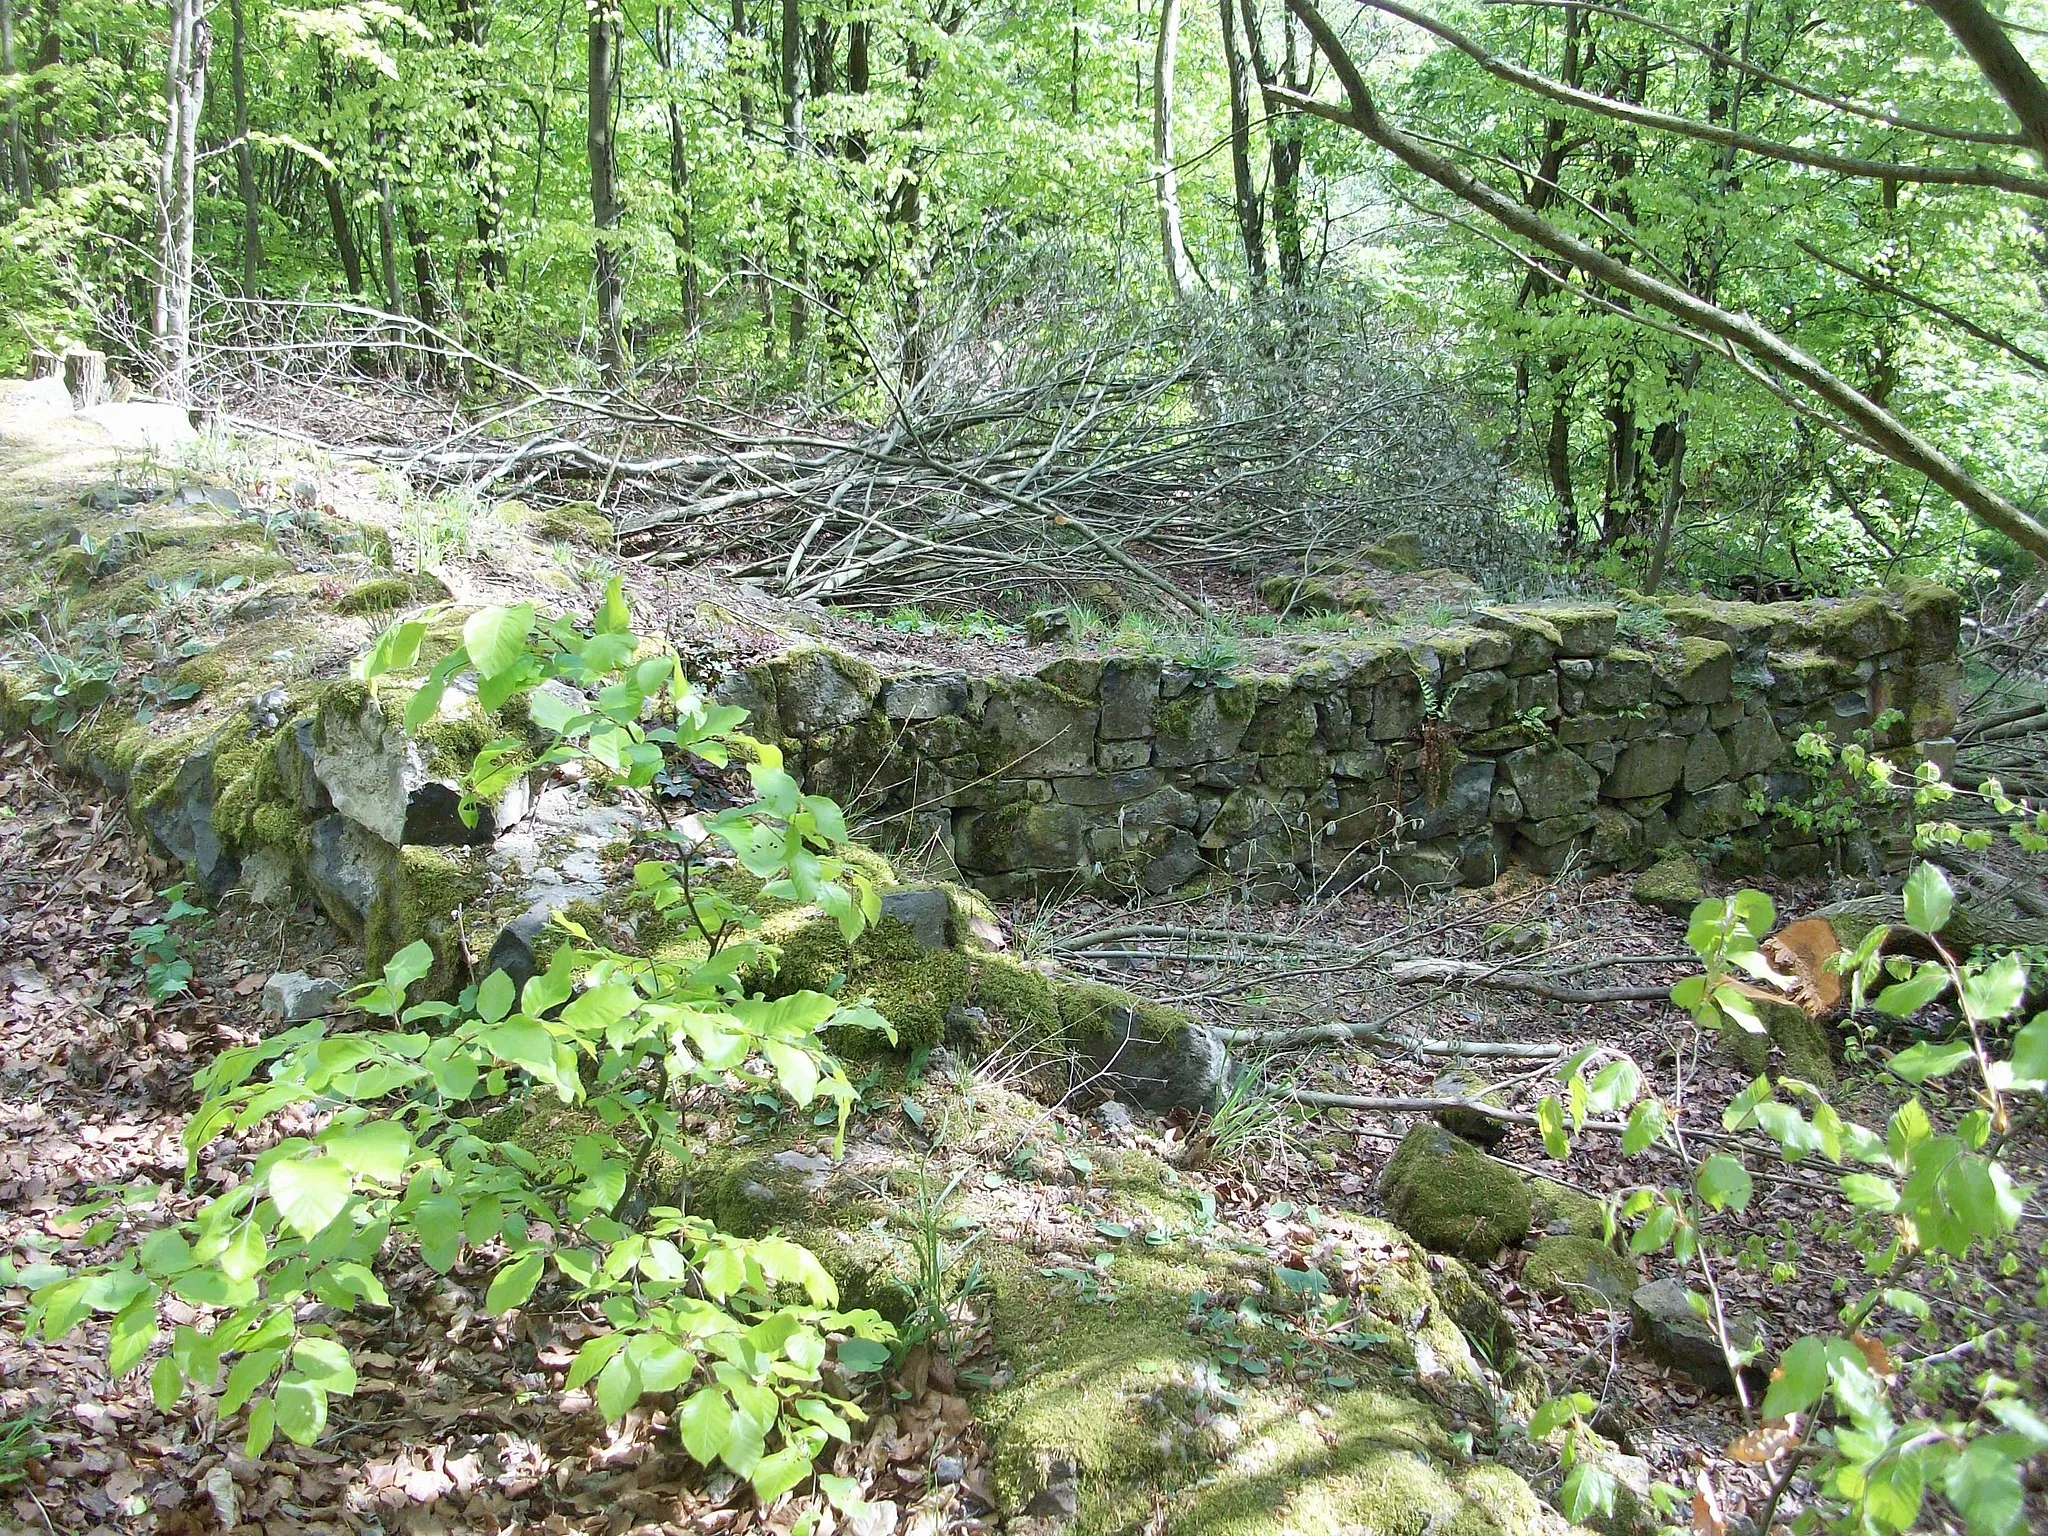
462, 1423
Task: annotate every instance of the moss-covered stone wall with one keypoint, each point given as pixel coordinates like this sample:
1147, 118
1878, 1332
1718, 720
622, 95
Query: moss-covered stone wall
1534, 734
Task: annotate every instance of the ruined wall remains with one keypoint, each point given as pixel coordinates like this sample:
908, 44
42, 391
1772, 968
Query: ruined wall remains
1532, 733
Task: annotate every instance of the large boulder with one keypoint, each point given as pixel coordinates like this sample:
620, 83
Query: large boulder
1157, 1057
1451, 1197
406, 787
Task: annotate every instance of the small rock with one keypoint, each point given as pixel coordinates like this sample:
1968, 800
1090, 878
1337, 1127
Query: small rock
1680, 1337
948, 1469
925, 912
966, 1027
1113, 1116
1672, 884
295, 997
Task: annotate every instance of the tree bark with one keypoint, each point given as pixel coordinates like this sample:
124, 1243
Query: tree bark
1251, 223
1993, 51
387, 246
14, 171
604, 200
792, 146
470, 29
1849, 412
1165, 174
191, 43
245, 153
1283, 146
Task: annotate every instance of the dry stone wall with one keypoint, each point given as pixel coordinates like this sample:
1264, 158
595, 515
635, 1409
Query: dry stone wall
1534, 734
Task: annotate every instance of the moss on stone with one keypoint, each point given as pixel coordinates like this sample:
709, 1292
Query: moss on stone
1805, 1046
579, 522
1559, 1211
425, 898
1020, 1002
1089, 1010
1450, 1196
912, 987
389, 594
1580, 1270
1672, 884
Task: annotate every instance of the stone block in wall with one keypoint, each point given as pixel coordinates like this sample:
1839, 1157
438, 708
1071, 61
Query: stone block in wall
346, 868
1800, 677
1362, 817
1706, 762
1753, 742
1023, 836
1467, 649
1334, 721
937, 698
1244, 814
1852, 630
1576, 730
1698, 669
1934, 619
1283, 725
1551, 781
1623, 679
1424, 867
179, 816
1295, 770
1478, 701
1031, 727
395, 783
1616, 837
1535, 639
1394, 707
1204, 724
1536, 691
1080, 676
1108, 789
1652, 766
816, 689
1929, 696
1548, 858
1116, 756
1129, 694
1713, 812
1583, 629
1746, 628
1368, 762
1464, 808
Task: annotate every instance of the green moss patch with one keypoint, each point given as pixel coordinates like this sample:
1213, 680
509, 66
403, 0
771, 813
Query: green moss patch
1452, 1197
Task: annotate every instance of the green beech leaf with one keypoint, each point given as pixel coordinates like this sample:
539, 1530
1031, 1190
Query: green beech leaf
1928, 898
705, 1424
327, 1362
1800, 1379
514, 1283
301, 1409
495, 638
310, 1192
1724, 1183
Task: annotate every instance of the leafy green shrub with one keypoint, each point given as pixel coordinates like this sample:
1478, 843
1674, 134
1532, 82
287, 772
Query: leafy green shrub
1927, 1193
158, 948
408, 1157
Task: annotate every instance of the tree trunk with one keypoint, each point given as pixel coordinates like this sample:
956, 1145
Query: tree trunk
470, 28
1251, 223
184, 97
1165, 174
604, 200
245, 155
344, 234
14, 172
387, 246
1283, 146
792, 145
45, 158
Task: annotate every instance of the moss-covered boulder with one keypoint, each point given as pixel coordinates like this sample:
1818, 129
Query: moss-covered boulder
1673, 884
1450, 1196
1158, 1057
1581, 1271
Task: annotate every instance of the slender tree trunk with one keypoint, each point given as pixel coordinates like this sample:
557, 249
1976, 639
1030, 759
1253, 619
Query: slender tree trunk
14, 172
46, 157
184, 97
605, 31
1251, 223
245, 154
344, 234
682, 227
471, 29
387, 246
1283, 145
792, 144
1165, 174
